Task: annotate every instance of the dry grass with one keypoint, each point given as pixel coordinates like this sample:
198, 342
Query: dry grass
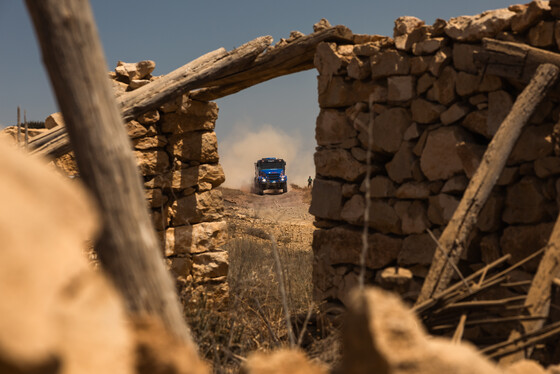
252, 318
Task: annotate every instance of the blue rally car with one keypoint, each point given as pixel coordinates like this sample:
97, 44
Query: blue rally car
270, 173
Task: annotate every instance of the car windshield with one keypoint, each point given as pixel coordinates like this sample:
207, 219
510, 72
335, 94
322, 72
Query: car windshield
272, 165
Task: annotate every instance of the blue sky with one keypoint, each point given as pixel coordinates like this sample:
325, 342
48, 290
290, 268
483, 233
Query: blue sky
173, 32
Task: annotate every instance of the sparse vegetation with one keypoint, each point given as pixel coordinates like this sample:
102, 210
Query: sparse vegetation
252, 317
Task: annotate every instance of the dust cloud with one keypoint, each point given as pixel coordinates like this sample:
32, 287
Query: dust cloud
243, 147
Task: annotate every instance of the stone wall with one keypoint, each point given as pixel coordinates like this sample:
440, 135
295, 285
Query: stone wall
177, 153
435, 112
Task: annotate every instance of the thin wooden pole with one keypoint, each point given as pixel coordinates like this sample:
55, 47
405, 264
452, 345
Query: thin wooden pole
18, 125
26, 128
127, 247
454, 237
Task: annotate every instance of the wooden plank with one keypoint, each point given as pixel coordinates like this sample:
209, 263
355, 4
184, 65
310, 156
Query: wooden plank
454, 237
128, 247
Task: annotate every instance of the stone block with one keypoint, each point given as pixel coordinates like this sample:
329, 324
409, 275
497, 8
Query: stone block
152, 162
389, 63
336, 92
455, 185
343, 245
444, 86
328, 61
54, 120
149, 142
533, 143
542, 34
200, 146
382, 215
197, 238
359, 68
198, 207
428, 46
181, 179
401, 88
424, 111
424, 83
379, 186
471, 155
525, 202
132, 71
155, 197
400, 168
441, 59
522, 241
454, 113
389, 128
490, 217
463, 57
412, 214
441, 145
547, 166
333, 127
417, 250
178, 122
485, 25
441, 208
499, 106
413, 190
326, 201
149, 118
406, 25
420, 64
478, 123
134, 129
466, 84
213, 264
338, 163
529, 15
490, 248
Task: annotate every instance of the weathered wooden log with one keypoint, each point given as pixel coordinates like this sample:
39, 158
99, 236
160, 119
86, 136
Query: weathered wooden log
127, 247
513, 60
294, 57
454, 237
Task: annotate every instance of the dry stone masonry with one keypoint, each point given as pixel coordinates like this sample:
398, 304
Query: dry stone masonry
435, 111
177, 153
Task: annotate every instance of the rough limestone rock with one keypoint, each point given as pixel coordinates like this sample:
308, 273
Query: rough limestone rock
529, 15
542, 35
478, 123
455, 185
200, 146
179, 123
547, 166
413, 216
533, 143
389, 128
328, 61
463, 57
427, 46
417, 250
406, 24
135, 129
456, 112
210, 264
490, 217
132, 71
326, 201
389, 63
155, 197
333, 127
525, 202
338, 163
149, 142
197, 207
59, 309
281, 361
201, 237
424, 111
382, 215
444, 87
383, 336
499, 106
401, 88
379, 186
400, 167
441, 208
152, 162
441, 145
54, 120
359, 68
441, 59
471, 155
521, 241
485, 25
204, 176
413, 190
336, 92
343, 245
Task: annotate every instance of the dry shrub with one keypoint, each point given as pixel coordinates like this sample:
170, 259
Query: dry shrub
252, 319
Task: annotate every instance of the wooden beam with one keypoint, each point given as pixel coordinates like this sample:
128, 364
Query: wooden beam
454, 237
128, 247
